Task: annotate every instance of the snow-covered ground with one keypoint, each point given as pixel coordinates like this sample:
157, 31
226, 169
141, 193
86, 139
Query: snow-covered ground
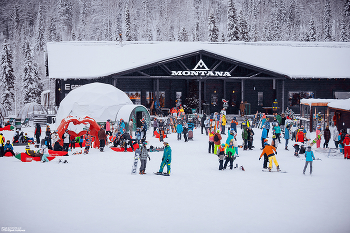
97, 193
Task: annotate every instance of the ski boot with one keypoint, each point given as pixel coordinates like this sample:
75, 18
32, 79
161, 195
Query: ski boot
278, 168
269, 169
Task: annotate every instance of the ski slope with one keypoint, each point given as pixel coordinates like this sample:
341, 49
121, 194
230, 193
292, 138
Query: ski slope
97, 193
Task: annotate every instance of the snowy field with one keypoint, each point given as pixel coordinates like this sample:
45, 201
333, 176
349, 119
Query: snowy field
97, 193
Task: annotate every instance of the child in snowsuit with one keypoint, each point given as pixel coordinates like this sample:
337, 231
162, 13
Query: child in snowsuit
143, 158
230, 155
309, 155
87, 143
221, 154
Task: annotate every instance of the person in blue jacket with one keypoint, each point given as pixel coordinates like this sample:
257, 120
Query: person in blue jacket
286, 135
166, 159
263, 136
179, 130
230, 136
8, 148
309, 155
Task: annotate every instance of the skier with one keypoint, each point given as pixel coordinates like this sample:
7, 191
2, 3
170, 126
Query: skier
221, 154
270, 151
309, 155
143, 158
166, 159
230, 155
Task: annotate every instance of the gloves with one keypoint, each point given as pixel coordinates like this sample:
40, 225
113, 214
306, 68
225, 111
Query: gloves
149, 158
163, 159
276, 153
259, 158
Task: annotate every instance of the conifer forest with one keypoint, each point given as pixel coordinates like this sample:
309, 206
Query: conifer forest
27, 25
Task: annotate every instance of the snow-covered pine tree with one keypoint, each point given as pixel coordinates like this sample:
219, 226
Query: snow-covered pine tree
31, 82
222, 39
343, 32
327, 21
40, 30
52, 33
128, 35
347, 8
147, 30
243, 27
65, 12
311, 35
183, 35
7, 79
213, 35
232, 22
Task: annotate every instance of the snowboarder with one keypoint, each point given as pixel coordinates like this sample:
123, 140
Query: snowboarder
166, 159
143, 158
270, 151
309, 155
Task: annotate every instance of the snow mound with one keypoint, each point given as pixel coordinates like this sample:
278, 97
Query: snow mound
97, 100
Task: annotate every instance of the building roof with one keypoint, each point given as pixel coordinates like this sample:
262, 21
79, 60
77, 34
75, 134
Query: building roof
316, 102
84, 60
343, 104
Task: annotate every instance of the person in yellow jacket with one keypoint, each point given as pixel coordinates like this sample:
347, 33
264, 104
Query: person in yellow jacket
223, 124
270, 151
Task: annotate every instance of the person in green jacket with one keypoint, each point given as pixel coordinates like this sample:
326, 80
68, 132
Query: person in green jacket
166, 160
230, 155
277, 132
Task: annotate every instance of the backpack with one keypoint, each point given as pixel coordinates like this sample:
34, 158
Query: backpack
216, 137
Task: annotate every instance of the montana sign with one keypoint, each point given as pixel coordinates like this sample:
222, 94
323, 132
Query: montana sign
200, 70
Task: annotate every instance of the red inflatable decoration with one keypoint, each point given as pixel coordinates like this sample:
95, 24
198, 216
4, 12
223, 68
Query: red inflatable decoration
93, 130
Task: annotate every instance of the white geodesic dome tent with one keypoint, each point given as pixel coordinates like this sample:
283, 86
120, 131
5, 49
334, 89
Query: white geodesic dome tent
99, 101
30, 110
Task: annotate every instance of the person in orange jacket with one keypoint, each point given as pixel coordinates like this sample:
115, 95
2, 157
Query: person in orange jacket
270, 151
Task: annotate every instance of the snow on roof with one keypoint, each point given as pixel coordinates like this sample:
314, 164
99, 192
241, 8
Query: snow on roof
97, 100
74, 60
316, 102
340, 104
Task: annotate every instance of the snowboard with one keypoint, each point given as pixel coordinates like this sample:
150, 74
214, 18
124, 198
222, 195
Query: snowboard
267, 170
316, 139
163, 174
136, 159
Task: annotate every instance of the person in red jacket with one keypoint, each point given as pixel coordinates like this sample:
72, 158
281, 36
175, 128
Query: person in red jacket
300, 136
346, 143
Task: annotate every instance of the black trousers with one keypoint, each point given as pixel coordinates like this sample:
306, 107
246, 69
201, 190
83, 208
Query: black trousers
265, 161
229, 159
211, 146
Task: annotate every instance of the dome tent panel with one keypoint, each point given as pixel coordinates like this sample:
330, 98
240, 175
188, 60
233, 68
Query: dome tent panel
136, 113
99, 101
31, 110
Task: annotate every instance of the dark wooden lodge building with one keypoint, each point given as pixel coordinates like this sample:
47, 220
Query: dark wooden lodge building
211, 74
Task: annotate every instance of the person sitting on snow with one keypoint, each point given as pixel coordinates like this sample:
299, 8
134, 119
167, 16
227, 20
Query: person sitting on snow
8, 148
32, 152
57, 146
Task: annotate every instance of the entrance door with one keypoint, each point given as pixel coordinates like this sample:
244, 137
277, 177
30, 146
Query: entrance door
138, 119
